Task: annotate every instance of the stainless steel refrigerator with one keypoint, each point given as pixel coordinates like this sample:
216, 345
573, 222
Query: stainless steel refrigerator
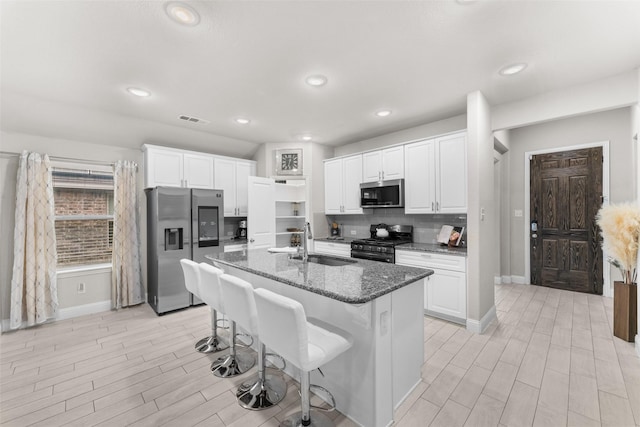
181, 223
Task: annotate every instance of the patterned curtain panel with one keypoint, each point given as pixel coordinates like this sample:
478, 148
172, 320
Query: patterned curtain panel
34, 293
126, 280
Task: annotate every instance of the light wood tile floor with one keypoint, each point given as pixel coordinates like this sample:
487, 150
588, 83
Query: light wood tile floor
550, 360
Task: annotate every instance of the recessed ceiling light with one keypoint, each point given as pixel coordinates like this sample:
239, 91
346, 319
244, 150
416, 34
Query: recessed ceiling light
242, 121
143, 93
182, 13
512, 69
316, 80
383, 113
307, 137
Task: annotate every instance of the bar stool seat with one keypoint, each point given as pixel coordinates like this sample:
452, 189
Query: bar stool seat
263, 390
285, 329
236, 362
192, 281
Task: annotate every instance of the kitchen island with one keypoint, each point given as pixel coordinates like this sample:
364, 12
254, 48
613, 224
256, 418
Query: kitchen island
380, 305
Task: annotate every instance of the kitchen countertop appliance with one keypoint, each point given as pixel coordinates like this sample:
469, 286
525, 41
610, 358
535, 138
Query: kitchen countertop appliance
381, 245
242, 230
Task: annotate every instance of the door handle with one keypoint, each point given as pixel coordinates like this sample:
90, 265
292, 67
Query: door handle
251, 240
433, 206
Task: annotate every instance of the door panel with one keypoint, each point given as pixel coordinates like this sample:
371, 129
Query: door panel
566, 193
261, 218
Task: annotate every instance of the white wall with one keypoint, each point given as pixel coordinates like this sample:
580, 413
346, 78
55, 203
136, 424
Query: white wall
440, 127
312, 167
600, 95
481, 215
97, 286
613, 126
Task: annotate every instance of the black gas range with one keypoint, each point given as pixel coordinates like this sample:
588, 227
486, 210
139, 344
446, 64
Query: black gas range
379, 248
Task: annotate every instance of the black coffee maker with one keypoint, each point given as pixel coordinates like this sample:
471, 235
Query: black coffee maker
241, 232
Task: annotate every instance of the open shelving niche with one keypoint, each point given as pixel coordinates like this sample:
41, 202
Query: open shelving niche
289, 197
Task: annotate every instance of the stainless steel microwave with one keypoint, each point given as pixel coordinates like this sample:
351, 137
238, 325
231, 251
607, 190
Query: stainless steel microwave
382, 194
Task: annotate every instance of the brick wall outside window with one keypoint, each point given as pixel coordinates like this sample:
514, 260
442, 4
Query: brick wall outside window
86, 240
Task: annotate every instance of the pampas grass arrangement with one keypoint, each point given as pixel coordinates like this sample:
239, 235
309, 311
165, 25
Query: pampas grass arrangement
620, 225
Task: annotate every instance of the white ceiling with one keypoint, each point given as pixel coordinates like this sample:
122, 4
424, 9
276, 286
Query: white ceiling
65, 65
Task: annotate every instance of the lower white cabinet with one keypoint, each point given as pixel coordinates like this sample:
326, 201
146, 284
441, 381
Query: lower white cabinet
332, 248
445, 294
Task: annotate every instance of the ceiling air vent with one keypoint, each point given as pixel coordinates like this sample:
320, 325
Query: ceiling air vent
193, 119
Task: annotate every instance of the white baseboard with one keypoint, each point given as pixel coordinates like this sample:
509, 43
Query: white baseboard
638, 344
71, 312
81, 310
497, 280
479, 327
518, 280
506, 279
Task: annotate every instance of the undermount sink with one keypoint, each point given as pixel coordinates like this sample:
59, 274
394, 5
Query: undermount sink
326, 260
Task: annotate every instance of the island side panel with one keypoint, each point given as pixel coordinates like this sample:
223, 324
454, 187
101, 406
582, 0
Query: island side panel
407, 339
361, 379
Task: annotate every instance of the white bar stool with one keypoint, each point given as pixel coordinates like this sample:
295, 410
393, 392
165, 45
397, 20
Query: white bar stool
210, 294
261, 391
285, 329
192, 281
236, 362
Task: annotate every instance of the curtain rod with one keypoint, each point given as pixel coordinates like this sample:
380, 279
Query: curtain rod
66, 159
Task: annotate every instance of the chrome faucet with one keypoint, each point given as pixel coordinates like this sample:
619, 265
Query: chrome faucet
307, 236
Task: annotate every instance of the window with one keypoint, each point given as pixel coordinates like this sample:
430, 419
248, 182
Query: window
84, 214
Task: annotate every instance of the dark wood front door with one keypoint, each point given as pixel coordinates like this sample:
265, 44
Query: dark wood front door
566, 193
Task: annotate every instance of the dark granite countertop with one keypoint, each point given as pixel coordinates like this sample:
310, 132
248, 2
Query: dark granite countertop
432, 247
234, 241
355, 283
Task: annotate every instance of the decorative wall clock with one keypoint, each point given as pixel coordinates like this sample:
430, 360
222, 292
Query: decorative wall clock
288, 162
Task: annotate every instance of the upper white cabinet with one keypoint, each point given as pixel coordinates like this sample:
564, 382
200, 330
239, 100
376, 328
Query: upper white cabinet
177, 168
342, 178
383, 164
231, 176
436, 175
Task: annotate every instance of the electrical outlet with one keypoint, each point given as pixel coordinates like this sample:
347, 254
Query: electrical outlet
353, 232
81, 288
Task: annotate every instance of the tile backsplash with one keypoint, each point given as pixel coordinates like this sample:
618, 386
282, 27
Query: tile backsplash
425, 227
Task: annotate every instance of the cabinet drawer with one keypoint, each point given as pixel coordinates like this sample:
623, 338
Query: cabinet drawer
330, 248
431, 260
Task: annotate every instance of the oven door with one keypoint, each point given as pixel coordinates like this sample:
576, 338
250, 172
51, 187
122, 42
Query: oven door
373, 256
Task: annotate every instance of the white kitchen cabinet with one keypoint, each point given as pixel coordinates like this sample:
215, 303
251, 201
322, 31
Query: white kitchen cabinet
342, 178
445, 292
420, 182
332, 248
436, 175
384, 164
231, 176
177, 168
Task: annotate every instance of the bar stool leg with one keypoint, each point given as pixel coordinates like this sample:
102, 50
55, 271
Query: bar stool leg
211, 344
261, 391
307, 417
235, 363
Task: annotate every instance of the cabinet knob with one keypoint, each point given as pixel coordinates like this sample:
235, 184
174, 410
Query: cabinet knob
251, 240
